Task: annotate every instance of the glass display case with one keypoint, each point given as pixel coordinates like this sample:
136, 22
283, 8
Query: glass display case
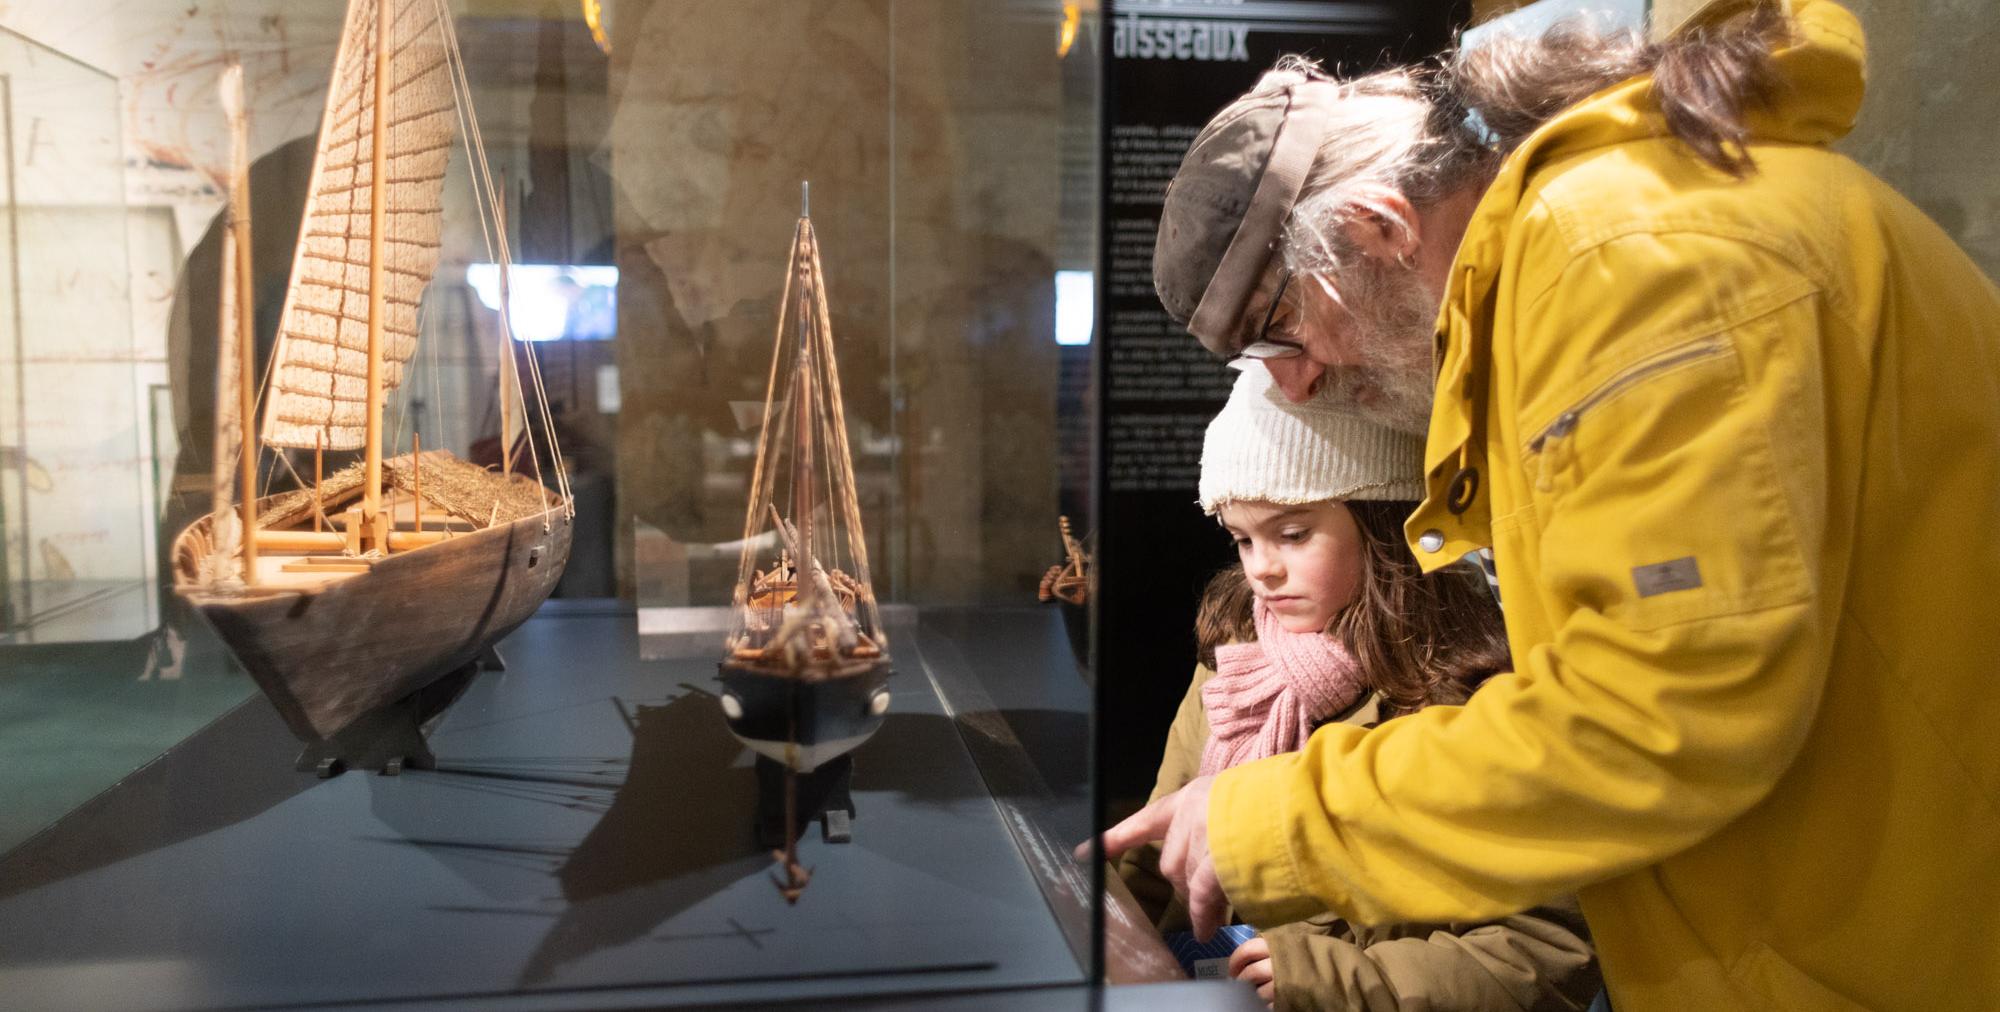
472, 731
587, 215
74, 530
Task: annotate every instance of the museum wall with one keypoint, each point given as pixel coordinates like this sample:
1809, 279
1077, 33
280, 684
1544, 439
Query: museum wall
1927, 126
930, 132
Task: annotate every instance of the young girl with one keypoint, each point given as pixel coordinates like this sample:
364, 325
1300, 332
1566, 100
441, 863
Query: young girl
1328, 618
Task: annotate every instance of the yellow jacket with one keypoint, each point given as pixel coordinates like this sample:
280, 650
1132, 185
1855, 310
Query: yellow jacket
1738, 447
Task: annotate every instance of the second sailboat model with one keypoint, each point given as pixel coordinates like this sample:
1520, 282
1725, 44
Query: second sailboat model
362, 603
805, 681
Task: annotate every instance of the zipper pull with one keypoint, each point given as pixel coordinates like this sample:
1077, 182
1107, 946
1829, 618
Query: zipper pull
1545, 446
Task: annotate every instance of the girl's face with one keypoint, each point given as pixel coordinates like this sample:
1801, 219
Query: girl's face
1304, 562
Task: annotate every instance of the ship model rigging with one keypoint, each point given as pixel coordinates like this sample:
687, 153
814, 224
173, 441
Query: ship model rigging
363, 602
1067, 581
805, 678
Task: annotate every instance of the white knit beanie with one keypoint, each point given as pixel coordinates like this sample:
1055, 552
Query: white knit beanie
1263, 447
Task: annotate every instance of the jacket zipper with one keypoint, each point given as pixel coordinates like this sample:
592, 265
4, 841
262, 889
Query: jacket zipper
1553, 436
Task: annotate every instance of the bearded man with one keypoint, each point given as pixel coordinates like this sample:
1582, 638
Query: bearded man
1724, 407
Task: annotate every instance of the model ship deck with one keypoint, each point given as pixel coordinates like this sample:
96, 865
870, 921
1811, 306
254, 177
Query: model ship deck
307, 570
298, 555
327, 647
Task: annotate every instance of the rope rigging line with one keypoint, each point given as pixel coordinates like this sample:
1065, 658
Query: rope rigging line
486, 205
850, 503
534, 360
482, 174
762, 485
476, 150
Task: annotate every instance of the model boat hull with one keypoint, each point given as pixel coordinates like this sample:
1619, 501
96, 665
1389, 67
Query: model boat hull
328, 655
804, 722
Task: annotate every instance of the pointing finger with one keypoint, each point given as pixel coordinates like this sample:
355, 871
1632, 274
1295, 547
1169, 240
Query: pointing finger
1142, 827
1205, 900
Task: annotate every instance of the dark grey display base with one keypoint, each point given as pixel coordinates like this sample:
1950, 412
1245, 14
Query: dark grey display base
586, 837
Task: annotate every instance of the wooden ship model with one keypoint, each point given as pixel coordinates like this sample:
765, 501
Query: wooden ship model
804, 681
362, 602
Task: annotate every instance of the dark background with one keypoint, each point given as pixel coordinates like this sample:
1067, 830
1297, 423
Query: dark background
1156, 386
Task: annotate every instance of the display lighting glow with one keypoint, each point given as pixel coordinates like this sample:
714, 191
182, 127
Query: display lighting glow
552, 301
593, 18
1076, 306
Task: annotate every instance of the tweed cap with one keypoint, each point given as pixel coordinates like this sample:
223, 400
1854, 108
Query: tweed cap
1264, 448
1226, 208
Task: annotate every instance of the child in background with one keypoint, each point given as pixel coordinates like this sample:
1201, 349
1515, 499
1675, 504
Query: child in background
1328, 618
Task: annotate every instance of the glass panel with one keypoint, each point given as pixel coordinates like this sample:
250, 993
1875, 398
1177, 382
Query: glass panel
76, 539
572, 809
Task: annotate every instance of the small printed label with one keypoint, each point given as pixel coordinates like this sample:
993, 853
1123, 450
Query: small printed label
1662, 577
1211, 969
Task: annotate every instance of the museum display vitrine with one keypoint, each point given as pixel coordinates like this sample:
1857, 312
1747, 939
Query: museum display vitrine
285, 719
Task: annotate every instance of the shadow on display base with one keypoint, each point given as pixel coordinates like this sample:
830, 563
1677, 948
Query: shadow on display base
584, 842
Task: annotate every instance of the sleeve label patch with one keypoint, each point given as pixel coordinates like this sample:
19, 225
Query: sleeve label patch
1663, 577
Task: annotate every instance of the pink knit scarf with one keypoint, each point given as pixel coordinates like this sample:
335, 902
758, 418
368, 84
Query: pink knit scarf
1266, 697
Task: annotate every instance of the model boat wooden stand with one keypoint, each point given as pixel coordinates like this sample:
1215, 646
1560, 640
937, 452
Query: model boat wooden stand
363, 603
394, 736
805, 678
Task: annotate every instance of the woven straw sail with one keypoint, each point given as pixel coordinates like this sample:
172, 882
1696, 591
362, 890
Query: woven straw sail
320, 378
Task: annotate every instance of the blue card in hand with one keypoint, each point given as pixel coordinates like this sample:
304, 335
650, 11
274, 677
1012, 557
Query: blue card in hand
1209, 960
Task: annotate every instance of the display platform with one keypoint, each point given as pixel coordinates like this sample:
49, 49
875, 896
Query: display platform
585, 842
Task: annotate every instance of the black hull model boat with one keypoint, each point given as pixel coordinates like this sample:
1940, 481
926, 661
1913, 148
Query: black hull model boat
805, 679
804, 723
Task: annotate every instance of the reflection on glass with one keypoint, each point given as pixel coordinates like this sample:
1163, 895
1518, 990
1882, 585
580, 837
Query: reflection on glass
552, 302
1076, 306
591, 825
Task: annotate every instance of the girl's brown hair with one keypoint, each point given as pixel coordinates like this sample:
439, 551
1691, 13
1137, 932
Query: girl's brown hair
1420, 639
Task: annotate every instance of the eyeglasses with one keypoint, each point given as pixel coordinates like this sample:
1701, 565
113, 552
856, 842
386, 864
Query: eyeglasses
1264, 347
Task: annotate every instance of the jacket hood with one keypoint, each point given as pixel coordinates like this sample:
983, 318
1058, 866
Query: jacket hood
1821, 83
1820, 80
1821, 76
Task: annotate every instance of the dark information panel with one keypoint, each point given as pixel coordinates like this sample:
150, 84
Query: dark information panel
1171, 65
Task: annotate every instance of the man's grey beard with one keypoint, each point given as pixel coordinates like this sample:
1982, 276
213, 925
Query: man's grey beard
1385, 398
1394, 319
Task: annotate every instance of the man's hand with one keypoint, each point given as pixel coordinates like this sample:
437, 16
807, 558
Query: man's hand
1180, 821
1252, 962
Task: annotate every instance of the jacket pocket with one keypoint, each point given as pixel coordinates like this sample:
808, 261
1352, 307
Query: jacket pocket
1657, 496
1549, 447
